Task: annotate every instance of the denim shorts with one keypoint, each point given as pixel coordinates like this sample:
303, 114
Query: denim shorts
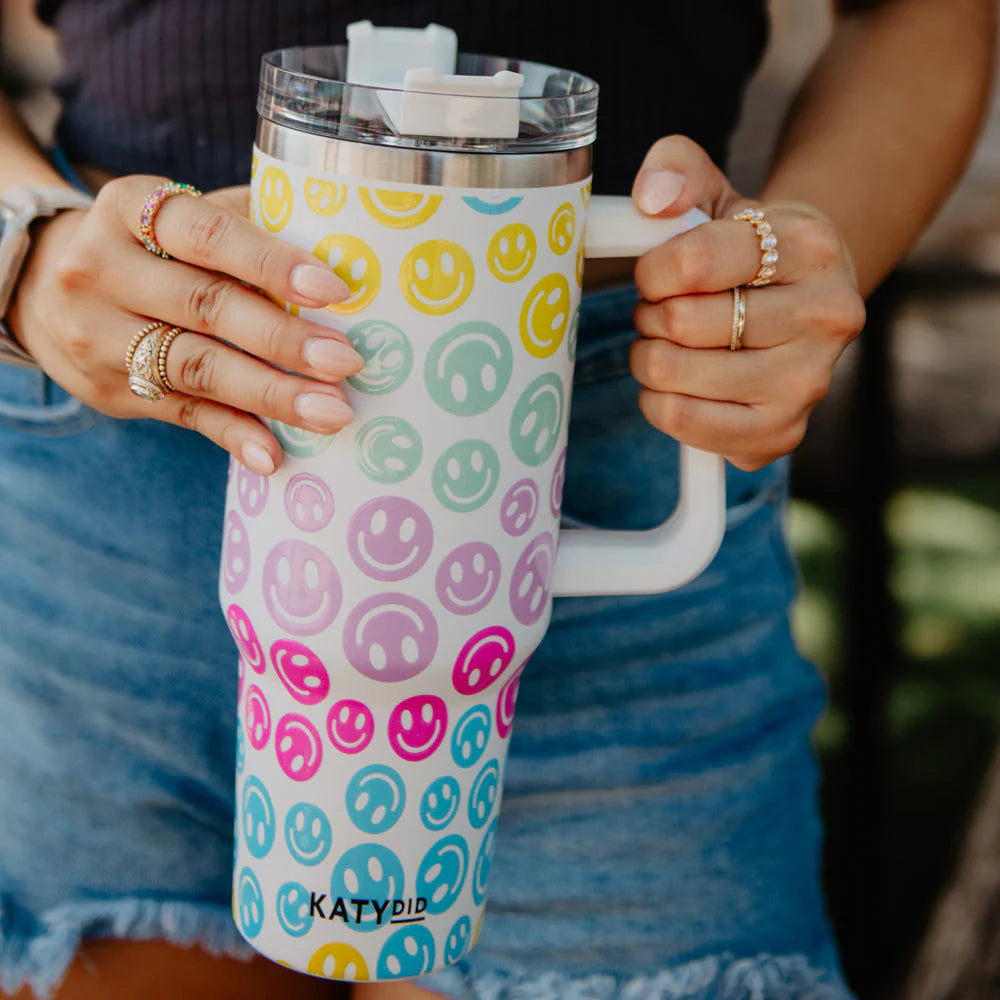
659, 836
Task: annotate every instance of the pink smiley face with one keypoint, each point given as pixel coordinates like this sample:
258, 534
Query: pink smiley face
417, 726
390, 538
298, 746
483, 659
558, 481
301, 671
507, 700
246, 638
251, 490
301, 587
519, 507
257, 715
235, 554
468, 578
529, 583
308, 502
390, 637
350, 725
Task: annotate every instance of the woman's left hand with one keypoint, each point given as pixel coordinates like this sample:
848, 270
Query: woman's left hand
750, 406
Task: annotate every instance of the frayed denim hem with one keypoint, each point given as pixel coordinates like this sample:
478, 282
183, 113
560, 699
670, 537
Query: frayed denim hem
724, 977
38, 950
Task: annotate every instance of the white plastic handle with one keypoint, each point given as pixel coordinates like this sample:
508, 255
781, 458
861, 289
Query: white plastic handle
663, 558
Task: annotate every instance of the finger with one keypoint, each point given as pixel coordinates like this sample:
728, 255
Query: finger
201, 366
677, 174
234, 199
704, 321
209, 302
747, 436
722, 375
209, 235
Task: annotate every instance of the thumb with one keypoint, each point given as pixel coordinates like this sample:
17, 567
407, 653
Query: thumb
678, 174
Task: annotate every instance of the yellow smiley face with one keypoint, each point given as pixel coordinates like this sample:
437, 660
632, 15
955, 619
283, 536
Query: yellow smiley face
585, 194
562, 225
580, 258
436, 277
544, 316
399, 209
325, 197
275, 199
338, 961
511, 252
253, 167
355, 262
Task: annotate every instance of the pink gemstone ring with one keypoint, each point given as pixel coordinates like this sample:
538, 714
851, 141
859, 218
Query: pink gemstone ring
151, 207
768, 245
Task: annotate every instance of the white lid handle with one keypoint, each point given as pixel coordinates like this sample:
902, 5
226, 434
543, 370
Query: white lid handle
666, 557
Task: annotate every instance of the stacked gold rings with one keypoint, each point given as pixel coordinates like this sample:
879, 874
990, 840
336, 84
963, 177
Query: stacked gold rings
739, 318
146, 361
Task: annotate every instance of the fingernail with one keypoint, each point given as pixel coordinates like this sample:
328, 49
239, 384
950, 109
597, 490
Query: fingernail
318, 283
332, 357
326, 411
257, 459
660, 190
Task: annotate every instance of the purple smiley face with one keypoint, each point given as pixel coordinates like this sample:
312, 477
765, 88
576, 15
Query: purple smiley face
417, 726
483, 659
251, 490
390, 538
308, 502
468, 578
519, 507
507, 700
235, 554
390, 637
257, 715
301, 671
298, 746
558, 481
246, 638
529, 583
301, 587
350, 725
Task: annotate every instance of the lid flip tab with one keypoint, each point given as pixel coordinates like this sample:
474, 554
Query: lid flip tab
481, 107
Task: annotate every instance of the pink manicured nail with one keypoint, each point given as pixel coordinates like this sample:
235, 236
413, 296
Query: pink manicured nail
332, 357
318, 283
660, 190
257, 459
326, 411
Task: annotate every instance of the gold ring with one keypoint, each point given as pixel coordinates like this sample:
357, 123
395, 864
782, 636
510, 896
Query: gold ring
161, 356
768, 245
151, 208
739, 318
142, 361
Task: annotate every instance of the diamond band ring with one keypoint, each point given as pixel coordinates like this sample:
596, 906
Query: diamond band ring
150, 209
768, 245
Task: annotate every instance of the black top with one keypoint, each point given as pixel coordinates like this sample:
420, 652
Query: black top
169, 86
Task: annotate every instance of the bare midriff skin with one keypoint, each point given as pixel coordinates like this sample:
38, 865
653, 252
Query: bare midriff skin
878, 135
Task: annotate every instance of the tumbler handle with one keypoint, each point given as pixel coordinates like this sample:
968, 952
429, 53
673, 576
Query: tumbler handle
592, 562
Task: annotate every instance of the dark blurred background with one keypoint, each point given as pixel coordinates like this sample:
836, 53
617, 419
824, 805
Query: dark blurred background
896, 521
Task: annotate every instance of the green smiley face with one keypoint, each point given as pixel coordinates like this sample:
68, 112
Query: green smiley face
299, 442
388, 356
388, 449
468, 368
466, 475
537, 419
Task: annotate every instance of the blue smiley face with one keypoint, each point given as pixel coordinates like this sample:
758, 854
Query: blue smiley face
442, 873
308, 833
295, 909
439, 804
258, 818
375, 796
408, 952
481, 869
457, 942
471, 734
484, 793
368, 871
250, 904
492, 204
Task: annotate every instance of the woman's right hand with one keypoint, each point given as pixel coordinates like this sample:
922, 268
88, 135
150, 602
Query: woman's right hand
89, 286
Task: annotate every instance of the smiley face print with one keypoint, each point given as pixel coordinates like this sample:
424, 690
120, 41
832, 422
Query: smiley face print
511, 252
324, 198
355, 263
544, 316
562, 225
399, 209
275, 199
436, 277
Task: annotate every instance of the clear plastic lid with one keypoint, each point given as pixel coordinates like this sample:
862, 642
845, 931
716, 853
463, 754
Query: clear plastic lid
304, 89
